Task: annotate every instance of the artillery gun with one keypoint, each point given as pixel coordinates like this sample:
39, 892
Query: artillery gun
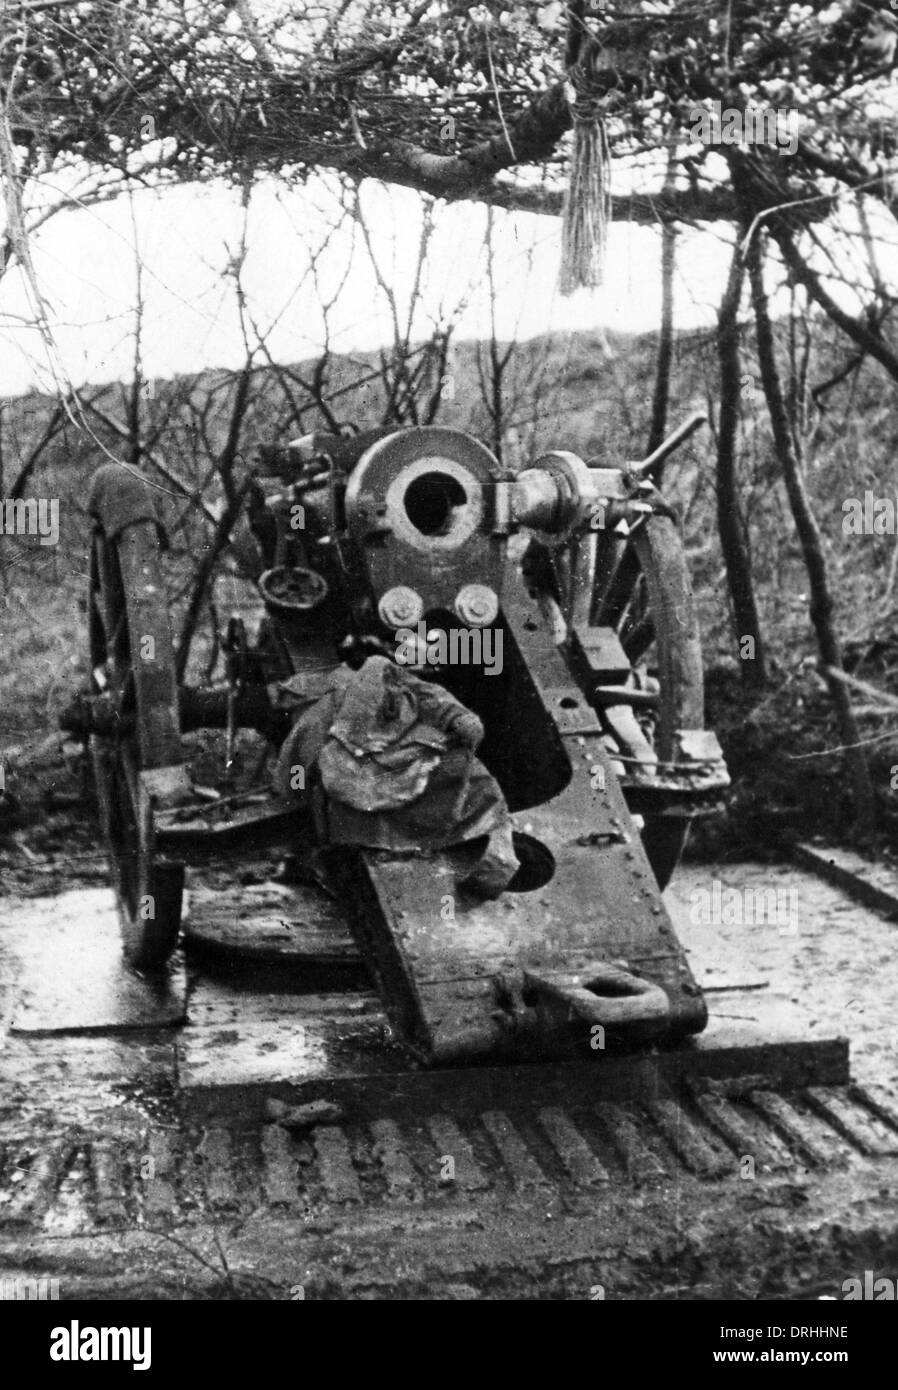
593, 726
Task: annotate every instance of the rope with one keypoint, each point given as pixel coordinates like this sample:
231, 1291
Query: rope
587, 200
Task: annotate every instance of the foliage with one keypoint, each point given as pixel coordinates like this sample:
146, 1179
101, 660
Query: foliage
441, 95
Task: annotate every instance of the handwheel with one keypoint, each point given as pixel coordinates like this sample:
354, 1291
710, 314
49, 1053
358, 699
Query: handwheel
640, 586
132, 669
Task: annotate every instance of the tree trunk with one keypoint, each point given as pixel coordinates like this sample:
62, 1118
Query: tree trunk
729, 520
809, 536
235, 496
661, 397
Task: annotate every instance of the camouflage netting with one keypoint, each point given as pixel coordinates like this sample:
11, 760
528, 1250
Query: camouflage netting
453, 99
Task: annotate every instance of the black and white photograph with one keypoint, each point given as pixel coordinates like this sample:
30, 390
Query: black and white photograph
449, 664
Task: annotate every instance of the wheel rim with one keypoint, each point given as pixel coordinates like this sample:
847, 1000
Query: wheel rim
148, 888
640, 587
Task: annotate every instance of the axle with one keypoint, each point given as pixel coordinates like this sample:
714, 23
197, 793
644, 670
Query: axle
197, 709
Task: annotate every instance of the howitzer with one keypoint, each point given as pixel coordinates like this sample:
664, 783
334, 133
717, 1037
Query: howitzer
593, 724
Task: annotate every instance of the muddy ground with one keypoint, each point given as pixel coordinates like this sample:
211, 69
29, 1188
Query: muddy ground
146, 1161
141, 1161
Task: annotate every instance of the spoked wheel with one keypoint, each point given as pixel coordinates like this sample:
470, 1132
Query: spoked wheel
639, 586
132, 670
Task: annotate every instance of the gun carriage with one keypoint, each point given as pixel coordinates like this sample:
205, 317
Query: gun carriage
593, 725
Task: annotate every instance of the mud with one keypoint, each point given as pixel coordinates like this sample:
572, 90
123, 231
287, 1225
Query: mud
641, 1200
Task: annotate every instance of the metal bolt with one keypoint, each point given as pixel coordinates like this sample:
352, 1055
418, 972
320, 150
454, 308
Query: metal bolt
400, 607
477, 604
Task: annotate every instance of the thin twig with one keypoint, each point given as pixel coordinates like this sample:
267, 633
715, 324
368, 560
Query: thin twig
842, 747
889, 701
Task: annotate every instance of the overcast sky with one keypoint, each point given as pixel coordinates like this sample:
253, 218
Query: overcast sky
86, 266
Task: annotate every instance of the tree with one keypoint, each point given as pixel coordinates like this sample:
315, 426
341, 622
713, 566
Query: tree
730, 521
442, 96
463, 101
822, 607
